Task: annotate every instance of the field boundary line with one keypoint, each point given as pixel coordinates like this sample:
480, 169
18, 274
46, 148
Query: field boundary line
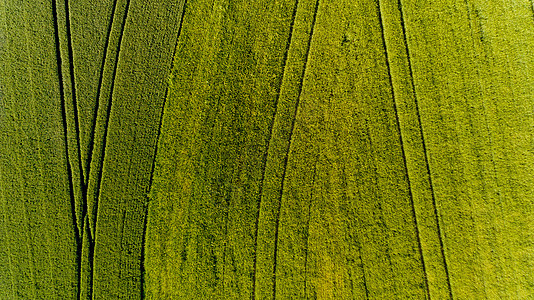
151, 178
286, 158
423, 142
266, 155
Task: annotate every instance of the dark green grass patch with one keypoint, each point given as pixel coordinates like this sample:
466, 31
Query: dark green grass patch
80, 111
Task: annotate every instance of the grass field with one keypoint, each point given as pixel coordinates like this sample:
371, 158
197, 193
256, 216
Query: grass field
289, 149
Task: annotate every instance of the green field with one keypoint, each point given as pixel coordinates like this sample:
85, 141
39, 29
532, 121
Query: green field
288, 149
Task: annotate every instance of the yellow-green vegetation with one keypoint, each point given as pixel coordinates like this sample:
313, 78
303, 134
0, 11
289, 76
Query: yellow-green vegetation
472, 69
346, 150
288, 149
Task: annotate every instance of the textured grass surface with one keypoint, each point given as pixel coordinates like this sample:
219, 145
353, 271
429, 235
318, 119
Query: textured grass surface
304, 149
381, 151
81, 106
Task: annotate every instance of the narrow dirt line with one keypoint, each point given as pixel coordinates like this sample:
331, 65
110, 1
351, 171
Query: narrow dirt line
103, 149
108, 113
105, 92
75, 108
360, 252
306, 248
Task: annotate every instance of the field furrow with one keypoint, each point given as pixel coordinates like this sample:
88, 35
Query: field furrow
38, 225
51, 229
255, 149
462, 136
91, 25
415, 151
394, 96
130, 144
103, 110
266, 152
288, 149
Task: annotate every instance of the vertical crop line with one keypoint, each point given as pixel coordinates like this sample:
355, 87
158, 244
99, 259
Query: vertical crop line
397, 123
375, 179
225, 235
286, 158
487, 126
178, 34
108, 115
306, 247
364, 278
98, 92
143, 253
265, 155
68, 163
427, 163
122, 243
91, 257
75, 110
165, 100
3, 86
153, 167
358, 235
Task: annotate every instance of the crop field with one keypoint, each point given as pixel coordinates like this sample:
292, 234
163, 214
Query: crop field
80, 115
287, 149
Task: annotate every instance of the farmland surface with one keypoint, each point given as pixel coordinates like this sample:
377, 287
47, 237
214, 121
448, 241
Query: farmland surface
83, 84
289, 149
